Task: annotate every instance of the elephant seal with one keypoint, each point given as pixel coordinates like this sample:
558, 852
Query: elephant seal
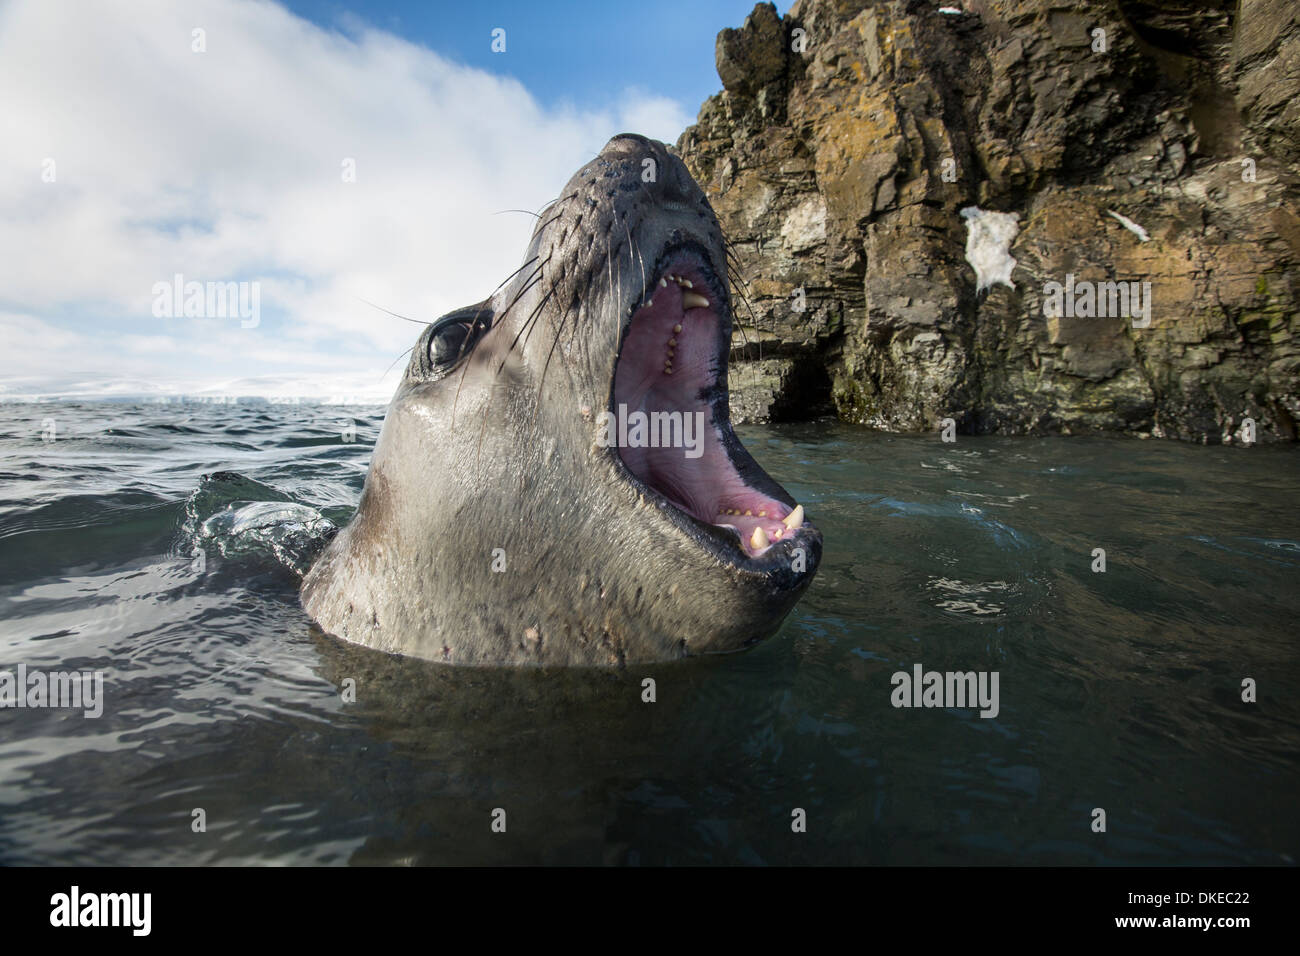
557, 480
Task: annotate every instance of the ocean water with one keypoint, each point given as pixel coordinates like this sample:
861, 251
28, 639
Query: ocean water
1118, 690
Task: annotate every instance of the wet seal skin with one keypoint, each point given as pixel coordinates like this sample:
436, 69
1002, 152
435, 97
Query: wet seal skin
539, 492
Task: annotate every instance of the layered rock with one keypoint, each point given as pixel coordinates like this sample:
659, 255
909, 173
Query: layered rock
1154, 142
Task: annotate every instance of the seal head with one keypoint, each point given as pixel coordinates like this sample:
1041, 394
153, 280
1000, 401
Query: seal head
557, 480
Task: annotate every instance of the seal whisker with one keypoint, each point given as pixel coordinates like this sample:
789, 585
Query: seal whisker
393, 314
503, 282
468, 342
756, 322
551, 202
734, 266
742, 288
396, 360
528, 283
613, 313
542, 226
556, 341
525, 285
636, 251
745, 299
560, 215
527, 323
617, 317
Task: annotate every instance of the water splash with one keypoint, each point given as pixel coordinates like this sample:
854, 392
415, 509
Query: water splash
238, 517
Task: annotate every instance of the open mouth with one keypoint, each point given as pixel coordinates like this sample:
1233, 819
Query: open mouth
674, 430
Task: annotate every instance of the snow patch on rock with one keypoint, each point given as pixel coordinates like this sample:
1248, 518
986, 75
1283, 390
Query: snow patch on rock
988, 245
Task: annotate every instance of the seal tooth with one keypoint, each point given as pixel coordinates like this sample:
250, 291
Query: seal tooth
693, 300
758, 539
663, 283
794, 520
677, 327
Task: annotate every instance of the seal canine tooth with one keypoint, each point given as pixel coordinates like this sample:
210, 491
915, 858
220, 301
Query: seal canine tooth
693, 300
758, 539
663, 283
677, 327
794, 520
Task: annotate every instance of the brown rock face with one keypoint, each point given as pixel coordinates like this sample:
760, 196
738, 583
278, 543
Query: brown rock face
1150, 152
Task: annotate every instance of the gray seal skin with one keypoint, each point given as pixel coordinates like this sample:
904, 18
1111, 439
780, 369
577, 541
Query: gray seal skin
499, 523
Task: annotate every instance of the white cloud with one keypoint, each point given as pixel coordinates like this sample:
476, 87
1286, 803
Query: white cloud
227, 165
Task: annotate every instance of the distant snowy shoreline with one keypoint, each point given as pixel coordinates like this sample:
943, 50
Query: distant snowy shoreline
122, 399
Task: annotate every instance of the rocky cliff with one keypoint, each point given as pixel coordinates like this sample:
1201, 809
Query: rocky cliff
1144, 158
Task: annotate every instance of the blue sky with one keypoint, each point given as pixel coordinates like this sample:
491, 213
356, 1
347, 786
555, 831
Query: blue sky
580, 52
145, 139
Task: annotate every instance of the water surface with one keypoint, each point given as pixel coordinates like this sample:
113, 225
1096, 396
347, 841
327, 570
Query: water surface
1118, 690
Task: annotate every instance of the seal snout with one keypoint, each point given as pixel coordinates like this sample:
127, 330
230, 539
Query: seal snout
654, 172
628, 143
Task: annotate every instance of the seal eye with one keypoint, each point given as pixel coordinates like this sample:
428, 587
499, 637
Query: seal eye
454, 336
447, 343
